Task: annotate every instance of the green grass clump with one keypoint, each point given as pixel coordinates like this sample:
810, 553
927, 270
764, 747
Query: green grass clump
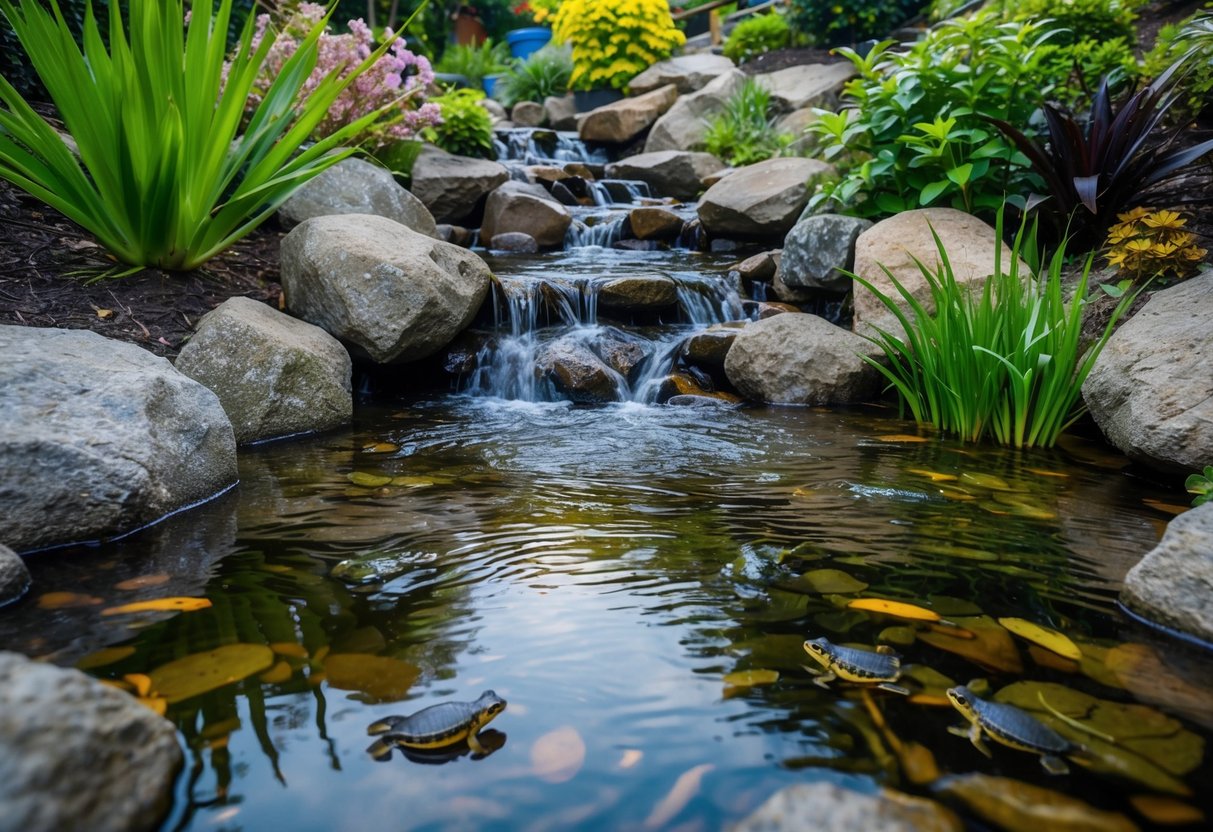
744, 131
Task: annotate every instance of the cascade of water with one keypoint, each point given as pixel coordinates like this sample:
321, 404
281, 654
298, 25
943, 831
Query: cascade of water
533, 146
604, 233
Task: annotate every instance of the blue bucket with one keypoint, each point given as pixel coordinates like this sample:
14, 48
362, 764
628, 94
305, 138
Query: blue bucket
523, 42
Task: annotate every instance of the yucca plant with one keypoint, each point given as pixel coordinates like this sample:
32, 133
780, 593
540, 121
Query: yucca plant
1006, 360
166, 176
1094, 171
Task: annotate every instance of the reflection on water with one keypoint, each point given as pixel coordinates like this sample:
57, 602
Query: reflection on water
604, 570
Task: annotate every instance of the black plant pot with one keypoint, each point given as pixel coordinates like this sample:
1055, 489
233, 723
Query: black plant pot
586, 100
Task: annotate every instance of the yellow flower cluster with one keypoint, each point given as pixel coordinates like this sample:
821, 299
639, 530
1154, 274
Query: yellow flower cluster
1146, 244
615, 40
541, 10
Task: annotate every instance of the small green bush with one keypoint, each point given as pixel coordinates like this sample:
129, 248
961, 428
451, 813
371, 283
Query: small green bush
546, 72
1176, 40
1076, 20
834, 23
756, 36
744, 132
466, 128
474, 62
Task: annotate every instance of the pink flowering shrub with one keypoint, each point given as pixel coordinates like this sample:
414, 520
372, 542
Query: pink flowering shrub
398, 73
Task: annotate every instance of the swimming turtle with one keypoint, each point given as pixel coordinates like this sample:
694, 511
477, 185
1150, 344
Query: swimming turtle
1011, 726
863, 667
437, 727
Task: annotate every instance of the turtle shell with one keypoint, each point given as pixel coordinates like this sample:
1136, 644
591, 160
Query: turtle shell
1018, 727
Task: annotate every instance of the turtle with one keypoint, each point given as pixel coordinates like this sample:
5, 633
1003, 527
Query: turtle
880, 668
436, 727
1011, 726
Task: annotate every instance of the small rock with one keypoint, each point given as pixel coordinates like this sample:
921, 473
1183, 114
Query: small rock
760, 267
463, 354
514, 241
581, 170
637, 294
768, 309
454, 187
723, 246
761, 201
546, 174
575, 372
691, 400
622, 352
687, 73
274, 375
1173, 584
517, 206
564, 195
456, 235
496, 112
654, 223
528, 114
77, 754
672, 173
14, 576
625, 120
708, 348
685, 125
355, 186
391, 295
825, 807
794, 358
818, 249
684, 384
561, 112
810, 85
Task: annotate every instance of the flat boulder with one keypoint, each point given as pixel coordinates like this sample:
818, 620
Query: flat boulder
709, 348
389, 294
826, 807
761, 201
810, 85
274, 375
896, 243
794, 358
355, 186
685, 125
638, 293
453, 187
14, 576
77, 754
1173, 584
515, 241
1151, 390
528, 114
818, 249
687, 73
652, 223
528, 209
99, 437
624, 120
675, 173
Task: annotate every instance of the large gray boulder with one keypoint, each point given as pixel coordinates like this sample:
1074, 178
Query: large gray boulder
672, 173
818, 249
793, 358
14, 576
687, 73
100, 437
354, 186
811, 85
897, 243
451, 186
826, 807
624, 120
685, 125
389, 294
525, 208
1173, 584
1151, 390
761, 201
274, 375
77, 754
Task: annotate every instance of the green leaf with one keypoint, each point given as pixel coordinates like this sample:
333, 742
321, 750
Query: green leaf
961, 174
932, 191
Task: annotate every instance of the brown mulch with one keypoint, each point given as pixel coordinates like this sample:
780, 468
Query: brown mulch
52, 274
784, 58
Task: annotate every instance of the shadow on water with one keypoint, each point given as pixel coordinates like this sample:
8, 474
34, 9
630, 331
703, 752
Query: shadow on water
608, 571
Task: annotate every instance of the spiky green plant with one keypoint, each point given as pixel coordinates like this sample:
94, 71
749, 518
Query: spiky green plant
1006, 360
166, 176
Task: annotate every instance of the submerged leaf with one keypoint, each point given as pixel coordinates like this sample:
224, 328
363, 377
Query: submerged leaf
277, 674
378, 678
161, 605
202, 672
105, 656
830, 582
1022, 807
1166, 811
143, 581
750, 678
66, 600
368, 480
897, 609
990, 646
1043, 636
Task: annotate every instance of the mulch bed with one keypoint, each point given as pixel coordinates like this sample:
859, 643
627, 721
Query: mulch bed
784, 58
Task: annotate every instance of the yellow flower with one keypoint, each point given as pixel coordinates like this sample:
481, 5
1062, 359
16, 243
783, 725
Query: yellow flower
1133, 215
1169, 220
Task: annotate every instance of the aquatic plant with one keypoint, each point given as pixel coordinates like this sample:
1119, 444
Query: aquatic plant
613, 42
1006, 360
165, 174
1146, 244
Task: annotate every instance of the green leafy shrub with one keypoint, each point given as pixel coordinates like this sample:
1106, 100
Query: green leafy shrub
165, 176
466, 128
757, 35
744, 131
546, 72
915, 134
834, 23
1201, 485
1006, 360
1077, 20
474, 62
1174, 42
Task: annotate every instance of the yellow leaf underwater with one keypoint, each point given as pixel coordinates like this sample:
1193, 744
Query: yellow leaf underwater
381, 448
160, 605
907, 438
897, 609
158, 704
140, 682
142, 582
378, 678
368, 480
202, 672
1166, 811
829, 582
750, 678
66, 600
1043, 636
1022, 807
982, 641
277, 674
105, 656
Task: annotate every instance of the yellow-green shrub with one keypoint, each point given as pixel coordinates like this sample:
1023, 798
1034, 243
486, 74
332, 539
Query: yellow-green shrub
614, 41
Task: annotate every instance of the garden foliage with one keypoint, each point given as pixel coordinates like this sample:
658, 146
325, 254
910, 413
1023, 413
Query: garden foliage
756, 36
544, 73
1005, 360
834, 23
474, 61
744, 131
1145, 244
615, 40
466, 128
1175, 41
169, 173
